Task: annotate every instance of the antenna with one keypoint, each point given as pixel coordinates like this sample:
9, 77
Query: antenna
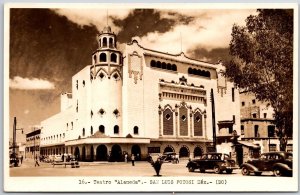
107, 17
180, 43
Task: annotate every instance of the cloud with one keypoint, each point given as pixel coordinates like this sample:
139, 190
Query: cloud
209, 29
30, 84
96, 17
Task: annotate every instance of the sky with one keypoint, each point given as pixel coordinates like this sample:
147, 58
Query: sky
48, 46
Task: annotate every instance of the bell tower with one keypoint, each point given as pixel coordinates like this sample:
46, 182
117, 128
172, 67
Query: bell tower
106, 84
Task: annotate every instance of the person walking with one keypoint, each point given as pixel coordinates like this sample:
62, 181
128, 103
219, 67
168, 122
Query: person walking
21, 159
126, 157
36, 161
132, 159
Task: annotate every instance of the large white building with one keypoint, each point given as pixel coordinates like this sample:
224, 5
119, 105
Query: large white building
141, 101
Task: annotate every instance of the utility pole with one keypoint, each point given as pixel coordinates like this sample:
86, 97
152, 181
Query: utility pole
213, 118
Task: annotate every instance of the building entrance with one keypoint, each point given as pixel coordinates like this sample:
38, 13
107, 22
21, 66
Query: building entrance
101, 154
136, 150
77, 153
116, 154
197, 152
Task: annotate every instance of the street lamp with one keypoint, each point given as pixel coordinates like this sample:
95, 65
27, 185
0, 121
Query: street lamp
14, 141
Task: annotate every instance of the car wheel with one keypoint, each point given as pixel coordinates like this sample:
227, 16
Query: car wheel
229, 171
277, 172
245, 171
191, 169
217, 169
257, 173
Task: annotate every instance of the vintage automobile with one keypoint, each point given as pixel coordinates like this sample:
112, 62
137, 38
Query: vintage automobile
169, 157
281, 163
218, 162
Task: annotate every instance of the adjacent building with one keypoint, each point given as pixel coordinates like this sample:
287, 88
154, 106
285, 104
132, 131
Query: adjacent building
257, 123
140, 101
33, 144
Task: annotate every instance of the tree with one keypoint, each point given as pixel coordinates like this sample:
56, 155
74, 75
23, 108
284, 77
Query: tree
262, 63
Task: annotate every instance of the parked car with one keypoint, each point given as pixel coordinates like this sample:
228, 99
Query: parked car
281, 163
218, 162
169, 157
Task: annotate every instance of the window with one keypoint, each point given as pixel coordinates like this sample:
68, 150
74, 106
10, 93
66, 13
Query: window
253, 101
101, 75
233, 118
271, 131
243, 103
83, 132
116, 76
135, 130
102, 129
116, 112
104, 42
76, 84
102, 57
254, 115
153, 63
111, 43
95, 59
116, 129
232, 94
242, 130
83, 83
183, 117
168, 116
163, 65
71, 125
92, 130
113, 57
265, 115
256, 134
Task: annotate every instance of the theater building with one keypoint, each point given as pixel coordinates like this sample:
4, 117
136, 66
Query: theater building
141, 101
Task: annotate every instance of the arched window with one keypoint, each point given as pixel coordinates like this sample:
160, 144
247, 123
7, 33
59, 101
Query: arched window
111, 42
174, 67
104, 42
163, 65
153, 63
169, 66
113, 57
168, 122
102, 57
158, 64
190, 71
83, 132
135, 130
102, 129
92, 130
116, 129
95, 59
198, 129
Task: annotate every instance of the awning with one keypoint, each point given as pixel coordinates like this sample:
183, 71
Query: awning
249, 144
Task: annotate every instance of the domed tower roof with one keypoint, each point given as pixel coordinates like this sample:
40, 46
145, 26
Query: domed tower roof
107, 29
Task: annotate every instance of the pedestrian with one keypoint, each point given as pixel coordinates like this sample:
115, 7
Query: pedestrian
36, 161
63, 157
126, 156
21, 159
132, 159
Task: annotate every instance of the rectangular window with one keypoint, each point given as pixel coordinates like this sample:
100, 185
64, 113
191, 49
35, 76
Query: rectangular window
243, 103
233, 118
232, 94
242, 130
253, 101
256, 134
265, 115
254, 115
153, 150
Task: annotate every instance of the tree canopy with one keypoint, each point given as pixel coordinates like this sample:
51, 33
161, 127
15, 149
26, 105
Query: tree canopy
262, 62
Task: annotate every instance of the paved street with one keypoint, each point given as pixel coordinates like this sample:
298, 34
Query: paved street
141, 168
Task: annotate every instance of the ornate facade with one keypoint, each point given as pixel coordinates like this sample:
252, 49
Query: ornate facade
141, 101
